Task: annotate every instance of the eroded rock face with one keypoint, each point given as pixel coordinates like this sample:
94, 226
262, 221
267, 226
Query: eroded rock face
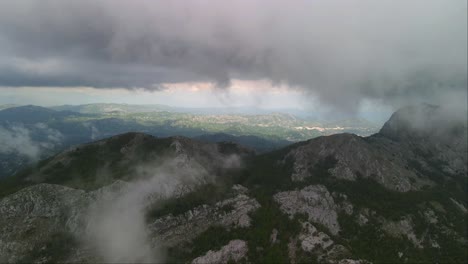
30, 216
315, 201
176, 229
235, 250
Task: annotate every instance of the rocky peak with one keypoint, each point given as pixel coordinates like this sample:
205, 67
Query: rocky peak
417, 142
425, 121
434, 133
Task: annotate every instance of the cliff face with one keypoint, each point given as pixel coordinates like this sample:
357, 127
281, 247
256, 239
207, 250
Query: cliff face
396, 196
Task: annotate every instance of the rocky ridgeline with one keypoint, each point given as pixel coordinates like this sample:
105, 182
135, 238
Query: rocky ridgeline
132, 153
234, 212
413, 170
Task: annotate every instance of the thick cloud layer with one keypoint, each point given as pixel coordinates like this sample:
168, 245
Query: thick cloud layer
342, 51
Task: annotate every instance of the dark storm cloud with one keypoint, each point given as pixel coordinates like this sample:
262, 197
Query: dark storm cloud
74, 72
342, 51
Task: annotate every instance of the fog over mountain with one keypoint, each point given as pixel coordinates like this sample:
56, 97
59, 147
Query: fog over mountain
243, 131
397, 51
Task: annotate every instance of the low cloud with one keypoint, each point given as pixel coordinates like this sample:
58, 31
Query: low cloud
116, 223
30, 142
17, 139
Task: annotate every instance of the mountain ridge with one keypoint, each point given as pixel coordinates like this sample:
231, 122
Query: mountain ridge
333, 199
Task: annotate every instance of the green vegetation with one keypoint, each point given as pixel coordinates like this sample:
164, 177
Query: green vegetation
9, 185
261, 250
369, 241
264, 175
268, 174
55, 248
272, 126
91, 166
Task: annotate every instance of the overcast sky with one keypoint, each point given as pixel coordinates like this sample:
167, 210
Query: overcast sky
334, 53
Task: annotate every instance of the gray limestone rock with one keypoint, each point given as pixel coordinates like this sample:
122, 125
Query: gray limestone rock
235, 250
315, 201
176, 229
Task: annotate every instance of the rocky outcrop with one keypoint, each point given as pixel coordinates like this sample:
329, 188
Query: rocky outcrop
323, 247
234, 251
233, 212
315, 201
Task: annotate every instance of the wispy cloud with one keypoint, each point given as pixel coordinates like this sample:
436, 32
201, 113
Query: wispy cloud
19, 139
116, 223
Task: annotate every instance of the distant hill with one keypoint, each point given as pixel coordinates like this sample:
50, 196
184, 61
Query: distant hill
27, 128
121, 156
31, 114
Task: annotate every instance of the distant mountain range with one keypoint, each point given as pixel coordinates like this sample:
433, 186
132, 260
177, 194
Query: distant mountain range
26, 130
398, 196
